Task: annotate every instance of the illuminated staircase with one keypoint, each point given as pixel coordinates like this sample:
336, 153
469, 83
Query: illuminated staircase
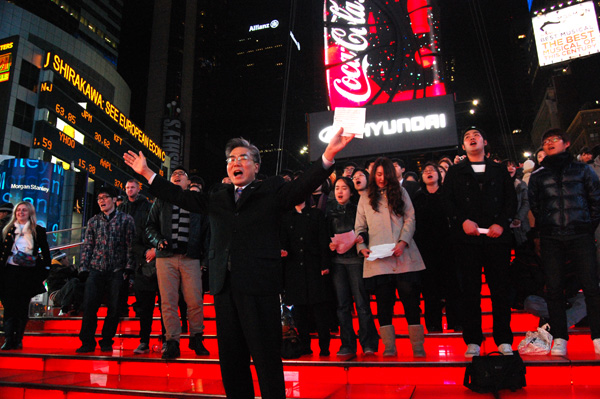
48, 366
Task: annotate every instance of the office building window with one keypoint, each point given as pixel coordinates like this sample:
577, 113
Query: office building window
29, 76
18, 150
23, 118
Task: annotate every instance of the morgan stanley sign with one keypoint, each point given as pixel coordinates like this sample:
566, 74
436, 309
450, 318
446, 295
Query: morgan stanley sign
393, 127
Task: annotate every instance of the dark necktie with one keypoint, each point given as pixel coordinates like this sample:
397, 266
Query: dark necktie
238, 193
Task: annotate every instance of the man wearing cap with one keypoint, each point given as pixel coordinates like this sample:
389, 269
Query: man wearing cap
479, 198
107, 261
176, 235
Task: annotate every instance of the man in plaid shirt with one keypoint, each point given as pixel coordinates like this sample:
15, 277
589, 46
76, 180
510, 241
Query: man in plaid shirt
106, 262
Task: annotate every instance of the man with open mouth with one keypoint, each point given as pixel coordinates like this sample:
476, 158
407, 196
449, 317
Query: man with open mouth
244, 258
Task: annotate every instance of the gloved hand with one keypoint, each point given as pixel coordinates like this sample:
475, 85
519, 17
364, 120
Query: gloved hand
164, 244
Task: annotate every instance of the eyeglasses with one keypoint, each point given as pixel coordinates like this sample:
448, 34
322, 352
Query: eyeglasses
551, 140
429, 170
103, 197
239, 158
179, 173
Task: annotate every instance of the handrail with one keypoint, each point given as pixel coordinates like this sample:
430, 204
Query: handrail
61, 247
60, 231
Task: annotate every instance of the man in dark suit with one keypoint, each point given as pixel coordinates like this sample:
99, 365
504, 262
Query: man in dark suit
245, 258
479, 199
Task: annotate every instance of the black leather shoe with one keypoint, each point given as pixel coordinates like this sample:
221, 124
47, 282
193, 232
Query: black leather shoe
106, 348
172, 351
8, 345
199, 346
86, 349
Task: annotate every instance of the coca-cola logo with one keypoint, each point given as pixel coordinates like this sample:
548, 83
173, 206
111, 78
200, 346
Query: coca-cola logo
346, 39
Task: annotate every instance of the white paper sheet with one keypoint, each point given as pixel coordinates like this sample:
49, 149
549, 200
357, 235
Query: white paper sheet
381, 251
351, 119
483, 231
344, 241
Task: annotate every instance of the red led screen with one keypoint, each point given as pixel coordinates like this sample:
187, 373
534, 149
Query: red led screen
381, 51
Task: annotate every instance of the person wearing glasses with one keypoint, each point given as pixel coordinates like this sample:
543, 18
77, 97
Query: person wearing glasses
177, 236
564, 196
245, 258
107, 261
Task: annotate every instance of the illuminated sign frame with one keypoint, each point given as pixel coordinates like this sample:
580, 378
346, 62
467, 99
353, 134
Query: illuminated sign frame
567, 33
55, 63
378, 52
394, 127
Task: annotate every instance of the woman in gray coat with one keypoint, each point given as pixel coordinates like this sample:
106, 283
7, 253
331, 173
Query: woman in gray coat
387, 216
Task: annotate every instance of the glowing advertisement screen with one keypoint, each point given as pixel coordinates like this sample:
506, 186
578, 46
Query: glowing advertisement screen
393, 127
380, 52
567, 33
38, 182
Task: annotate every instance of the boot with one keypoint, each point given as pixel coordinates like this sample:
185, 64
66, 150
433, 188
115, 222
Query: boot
19, 332
388, 336
199, 345
9, 334
417, 339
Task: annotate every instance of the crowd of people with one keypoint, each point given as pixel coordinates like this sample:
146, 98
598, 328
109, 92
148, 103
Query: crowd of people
325, 245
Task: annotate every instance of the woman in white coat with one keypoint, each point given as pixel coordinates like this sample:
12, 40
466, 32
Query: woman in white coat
387, 216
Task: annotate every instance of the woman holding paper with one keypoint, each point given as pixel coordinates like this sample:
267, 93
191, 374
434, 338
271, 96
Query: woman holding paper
387, 217
347, 272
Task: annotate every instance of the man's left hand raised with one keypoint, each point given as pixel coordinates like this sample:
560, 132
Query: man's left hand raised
336, 144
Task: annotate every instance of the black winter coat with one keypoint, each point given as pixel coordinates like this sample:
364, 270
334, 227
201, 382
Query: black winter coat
495, 202
340, 219
19, 280
145, 273
304, 237
564, 197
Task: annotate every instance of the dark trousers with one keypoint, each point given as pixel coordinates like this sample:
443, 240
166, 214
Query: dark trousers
348, 282
145, 303
100, 285
321, 313
16, 315
249, 326
440, 282
494, 258
581, 251
409, 292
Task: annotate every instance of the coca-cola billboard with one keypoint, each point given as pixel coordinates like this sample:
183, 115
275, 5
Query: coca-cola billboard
379, 52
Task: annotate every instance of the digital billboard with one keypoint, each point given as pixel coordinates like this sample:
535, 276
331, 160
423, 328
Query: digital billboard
567, 33
393, 127
8, 52
38, 182
380, 52
85, 129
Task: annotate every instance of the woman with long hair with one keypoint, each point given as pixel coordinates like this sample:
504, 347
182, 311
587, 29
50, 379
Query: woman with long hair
387, 216
24, 264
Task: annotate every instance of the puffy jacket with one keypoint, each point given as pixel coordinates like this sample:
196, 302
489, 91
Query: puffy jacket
564, 197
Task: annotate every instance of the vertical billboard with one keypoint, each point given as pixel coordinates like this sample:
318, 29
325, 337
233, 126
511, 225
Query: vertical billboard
8, 55
567, 33
380, 52
38, 182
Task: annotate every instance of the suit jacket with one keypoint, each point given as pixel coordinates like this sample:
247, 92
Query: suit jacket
495, 202
245, 235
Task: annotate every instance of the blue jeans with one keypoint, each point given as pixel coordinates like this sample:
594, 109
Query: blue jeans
537, 306
100, 285
348, 283
581, 251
